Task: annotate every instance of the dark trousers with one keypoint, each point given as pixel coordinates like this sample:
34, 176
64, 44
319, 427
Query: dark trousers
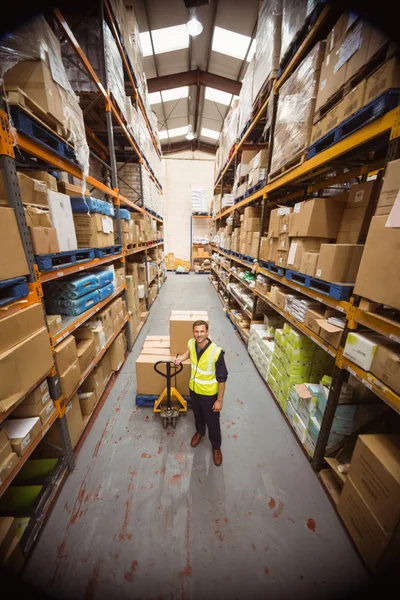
204, 415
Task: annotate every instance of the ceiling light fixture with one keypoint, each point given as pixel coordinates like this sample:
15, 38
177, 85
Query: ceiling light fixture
193, 26
190, 135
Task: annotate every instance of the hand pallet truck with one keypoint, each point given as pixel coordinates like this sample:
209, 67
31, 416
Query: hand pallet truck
168, 410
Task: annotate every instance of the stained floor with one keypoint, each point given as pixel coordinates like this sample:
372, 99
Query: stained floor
144, 516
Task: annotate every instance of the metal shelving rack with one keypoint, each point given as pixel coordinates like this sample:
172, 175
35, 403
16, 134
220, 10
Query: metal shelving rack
353, 152
194, 245
48, 160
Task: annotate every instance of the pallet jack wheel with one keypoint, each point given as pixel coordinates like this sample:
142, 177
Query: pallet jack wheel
165, 423
173, 422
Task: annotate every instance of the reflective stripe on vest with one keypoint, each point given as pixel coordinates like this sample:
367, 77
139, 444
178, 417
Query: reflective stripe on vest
202, 379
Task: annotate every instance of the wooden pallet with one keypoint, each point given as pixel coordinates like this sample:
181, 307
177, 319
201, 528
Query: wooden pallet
294, 162
17, 97
386, 52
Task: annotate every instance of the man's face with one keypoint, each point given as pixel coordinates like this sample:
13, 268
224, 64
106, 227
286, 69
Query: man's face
200, 333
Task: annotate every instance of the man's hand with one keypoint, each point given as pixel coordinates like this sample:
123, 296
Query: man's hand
217, 406
177, 361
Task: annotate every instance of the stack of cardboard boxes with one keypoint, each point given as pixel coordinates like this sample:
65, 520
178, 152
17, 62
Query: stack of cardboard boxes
351, 45
369, 503
158, 348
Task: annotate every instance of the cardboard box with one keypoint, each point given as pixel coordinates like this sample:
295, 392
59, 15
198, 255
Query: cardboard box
86, 352
105, 364
40, 395
354, 100
44, 240
20, 325
148, 382
358, 212
330, 333
69, 379
87, 401
29, 362
361, 348
37, 217
7, 534
181, 330
62, 220
35, 79
92, 330
11, 245
339, 262
117, 351
384, 78
66, 354
22, 432
369, 537
386, 365
311, 320
330, 79
14, 559
319, 217
252, 225
5, 446
49, 180
94, 231
94, 382
298, 247
380, 258
308, 263
54, 323
43, 411
75, 425
375, 472
32, 190
390, 188
8, 464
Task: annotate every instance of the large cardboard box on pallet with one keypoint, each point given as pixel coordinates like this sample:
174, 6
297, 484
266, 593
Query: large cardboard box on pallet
339, 262
20, 325
94, 231
152, 384
378, 277
384, 78
319, 217
181, 329
386, 365
11, 246
358, 212
298, 247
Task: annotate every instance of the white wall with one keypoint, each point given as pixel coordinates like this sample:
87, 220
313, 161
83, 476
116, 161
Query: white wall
182, 172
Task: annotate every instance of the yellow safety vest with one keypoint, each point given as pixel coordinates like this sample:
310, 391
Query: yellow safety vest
203, 377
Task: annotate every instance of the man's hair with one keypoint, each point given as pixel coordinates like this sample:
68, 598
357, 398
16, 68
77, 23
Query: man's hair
198, 323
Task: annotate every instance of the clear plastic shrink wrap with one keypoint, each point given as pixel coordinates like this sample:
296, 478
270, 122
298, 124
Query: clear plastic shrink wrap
268, 43
294, 13
296, 105
246, 97
229, 132
36, 43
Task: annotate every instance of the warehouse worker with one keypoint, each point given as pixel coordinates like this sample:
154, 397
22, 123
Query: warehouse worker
207, 386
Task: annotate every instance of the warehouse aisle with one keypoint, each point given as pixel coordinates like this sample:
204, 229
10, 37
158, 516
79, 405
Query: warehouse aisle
145, 516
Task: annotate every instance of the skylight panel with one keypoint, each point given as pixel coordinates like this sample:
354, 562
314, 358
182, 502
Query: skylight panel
167, 39
230, 43
155, 98
175, 94
218, 96
210, 133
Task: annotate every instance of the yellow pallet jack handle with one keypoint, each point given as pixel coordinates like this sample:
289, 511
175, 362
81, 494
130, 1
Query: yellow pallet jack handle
169, 392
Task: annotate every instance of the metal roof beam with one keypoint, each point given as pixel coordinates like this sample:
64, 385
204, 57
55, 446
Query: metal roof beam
168, 82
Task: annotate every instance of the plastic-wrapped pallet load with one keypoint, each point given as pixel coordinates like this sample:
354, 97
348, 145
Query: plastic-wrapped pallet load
294, 13
268, 43
246, 98
295, 111
30, 58
199, 200
229, 132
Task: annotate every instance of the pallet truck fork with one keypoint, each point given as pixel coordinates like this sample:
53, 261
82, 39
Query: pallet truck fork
168, 410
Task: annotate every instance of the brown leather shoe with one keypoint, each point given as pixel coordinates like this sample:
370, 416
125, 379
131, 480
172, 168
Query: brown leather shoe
196, 439
217, 456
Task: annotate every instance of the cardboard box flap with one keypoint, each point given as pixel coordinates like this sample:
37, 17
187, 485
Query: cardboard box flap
303, 391
327, 326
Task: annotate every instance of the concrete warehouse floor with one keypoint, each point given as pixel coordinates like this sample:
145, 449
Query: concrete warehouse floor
145, 516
